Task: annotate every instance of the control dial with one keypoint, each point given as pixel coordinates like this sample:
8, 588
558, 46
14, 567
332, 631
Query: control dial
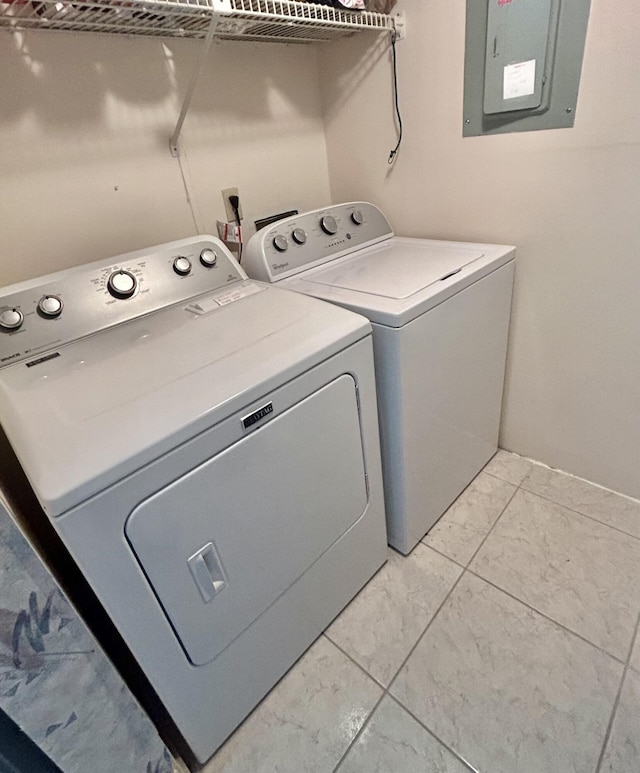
182, 265
329, 225
299, 235
208, 258
280, 243
50, 306
11, 319
122, 284
357, 217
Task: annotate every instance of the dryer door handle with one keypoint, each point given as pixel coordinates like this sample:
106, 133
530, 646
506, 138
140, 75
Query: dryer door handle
206, 570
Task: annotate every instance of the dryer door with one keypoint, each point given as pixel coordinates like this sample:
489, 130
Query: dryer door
220, 544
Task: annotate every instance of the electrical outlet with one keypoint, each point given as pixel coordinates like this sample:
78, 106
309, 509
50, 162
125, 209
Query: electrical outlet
231, 215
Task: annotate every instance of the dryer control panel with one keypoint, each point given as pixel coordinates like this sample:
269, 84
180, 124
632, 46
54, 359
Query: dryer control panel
44, 313
299, 242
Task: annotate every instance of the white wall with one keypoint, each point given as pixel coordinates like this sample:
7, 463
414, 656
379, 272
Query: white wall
85, 121
85, 173
568, 199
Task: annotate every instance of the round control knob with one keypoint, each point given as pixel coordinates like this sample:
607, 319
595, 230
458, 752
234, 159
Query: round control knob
299, 236
280, 243
182, 265
11, 319
208, 258
122, 284
329, 225
50, 306
357, 217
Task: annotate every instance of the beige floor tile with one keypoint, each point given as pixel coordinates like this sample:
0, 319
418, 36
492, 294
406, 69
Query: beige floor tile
460, 531
307, 721
507, 689
581, 573
393, 742
509, 467
623, 750
614, 509
381, 625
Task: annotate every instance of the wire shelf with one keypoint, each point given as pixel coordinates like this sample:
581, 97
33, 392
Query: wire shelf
265, 20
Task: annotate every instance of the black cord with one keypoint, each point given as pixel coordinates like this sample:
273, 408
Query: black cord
392, 155
235, 206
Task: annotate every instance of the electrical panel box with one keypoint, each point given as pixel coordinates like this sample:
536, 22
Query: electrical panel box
522, 64
518, 48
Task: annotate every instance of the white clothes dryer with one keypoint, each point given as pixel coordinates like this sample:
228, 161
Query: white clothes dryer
440, 314
207, 449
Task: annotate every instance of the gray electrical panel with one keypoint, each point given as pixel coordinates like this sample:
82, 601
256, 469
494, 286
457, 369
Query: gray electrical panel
522, 64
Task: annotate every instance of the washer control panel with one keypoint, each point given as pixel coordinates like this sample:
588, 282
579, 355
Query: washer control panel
47, 312
299, 242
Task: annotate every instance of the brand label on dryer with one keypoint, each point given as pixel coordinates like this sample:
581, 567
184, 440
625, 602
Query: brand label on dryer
213, 302
256, 416
40, 360
237, 293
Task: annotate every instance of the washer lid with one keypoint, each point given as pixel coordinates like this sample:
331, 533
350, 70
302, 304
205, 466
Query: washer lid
396, 269
397, 280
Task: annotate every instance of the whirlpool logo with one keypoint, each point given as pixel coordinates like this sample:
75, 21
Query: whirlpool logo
279, 266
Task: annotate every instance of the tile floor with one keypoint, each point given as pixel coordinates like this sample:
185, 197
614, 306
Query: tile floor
503, 644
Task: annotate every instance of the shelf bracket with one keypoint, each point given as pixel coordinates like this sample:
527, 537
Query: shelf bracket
400, 25
195, 75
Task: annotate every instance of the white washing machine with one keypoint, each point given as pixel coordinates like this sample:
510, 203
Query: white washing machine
207, 449
440, 314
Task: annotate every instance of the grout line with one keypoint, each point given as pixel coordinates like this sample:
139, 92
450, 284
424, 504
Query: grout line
465, 569
493, 526
355, 738
484, 539
503, 480
388, 687
577, 512
635, 637
566, 474
421, 637
354, 661
616, 702
545, 616
633, 641
536, 463
456, 754
521, 601
516, 598
444, 555
367, 721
